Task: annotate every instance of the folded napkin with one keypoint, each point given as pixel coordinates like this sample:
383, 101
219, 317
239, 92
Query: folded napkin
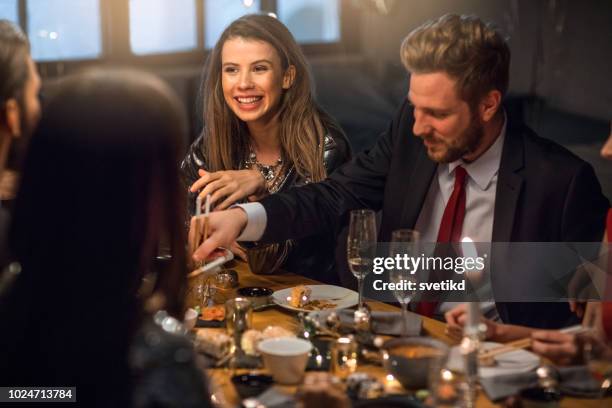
390, 323
578, 381
574, 381
273, 397
386, 323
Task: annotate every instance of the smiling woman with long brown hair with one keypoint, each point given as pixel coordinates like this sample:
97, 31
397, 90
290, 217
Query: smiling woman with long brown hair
263, 133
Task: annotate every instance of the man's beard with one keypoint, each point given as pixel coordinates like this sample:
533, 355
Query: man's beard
466, 143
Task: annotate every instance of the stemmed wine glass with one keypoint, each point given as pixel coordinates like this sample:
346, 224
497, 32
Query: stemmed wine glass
403, 242
361, 246
594, 348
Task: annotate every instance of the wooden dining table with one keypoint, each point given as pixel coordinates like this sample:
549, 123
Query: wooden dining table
224, 393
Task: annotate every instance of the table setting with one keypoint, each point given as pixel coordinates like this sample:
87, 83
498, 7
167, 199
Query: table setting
276, 341
266, 339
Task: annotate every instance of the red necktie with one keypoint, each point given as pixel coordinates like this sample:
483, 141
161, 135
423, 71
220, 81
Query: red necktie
450, 227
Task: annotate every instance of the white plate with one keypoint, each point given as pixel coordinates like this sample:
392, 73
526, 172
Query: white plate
513, 362
342, 297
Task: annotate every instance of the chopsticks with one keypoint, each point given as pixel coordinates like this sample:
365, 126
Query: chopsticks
506, 348
206, 212
200, 231
521, 344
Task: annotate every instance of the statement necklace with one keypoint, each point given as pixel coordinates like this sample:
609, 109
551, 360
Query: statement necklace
272, 173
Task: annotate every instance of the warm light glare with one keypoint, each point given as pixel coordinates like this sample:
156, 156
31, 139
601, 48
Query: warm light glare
447, 375
468, 247
390, 378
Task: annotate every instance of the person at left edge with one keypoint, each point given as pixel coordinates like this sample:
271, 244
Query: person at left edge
19, 109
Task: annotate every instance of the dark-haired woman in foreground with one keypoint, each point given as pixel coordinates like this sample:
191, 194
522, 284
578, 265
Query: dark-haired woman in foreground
263, 133
100, 189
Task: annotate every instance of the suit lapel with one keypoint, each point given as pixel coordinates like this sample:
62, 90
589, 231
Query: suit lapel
509, 185
419, 180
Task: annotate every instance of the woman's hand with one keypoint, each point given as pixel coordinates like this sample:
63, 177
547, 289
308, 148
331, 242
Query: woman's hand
230, 185
457, 317
561, 348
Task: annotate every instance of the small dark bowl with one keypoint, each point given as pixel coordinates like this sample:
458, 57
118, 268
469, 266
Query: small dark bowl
251, 385
413, 373
259, 296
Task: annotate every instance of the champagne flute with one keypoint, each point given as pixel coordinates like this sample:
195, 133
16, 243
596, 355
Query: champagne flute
593, 341
403, 242
361, 246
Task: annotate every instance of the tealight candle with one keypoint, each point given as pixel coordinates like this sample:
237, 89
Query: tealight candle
344, 356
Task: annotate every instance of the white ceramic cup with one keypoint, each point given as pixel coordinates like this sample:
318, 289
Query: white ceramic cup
285, 358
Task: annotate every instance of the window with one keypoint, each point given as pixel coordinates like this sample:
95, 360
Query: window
64, 29
162, 26
163, 31
218, 14
8, 10
311, 21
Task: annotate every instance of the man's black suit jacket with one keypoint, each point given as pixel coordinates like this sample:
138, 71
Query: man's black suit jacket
544, 194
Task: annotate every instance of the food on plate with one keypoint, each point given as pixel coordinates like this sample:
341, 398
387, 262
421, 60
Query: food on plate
212, 342
319, 304
216, 312
251, 338
300, 296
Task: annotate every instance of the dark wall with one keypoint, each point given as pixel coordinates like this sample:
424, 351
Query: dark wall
561, 50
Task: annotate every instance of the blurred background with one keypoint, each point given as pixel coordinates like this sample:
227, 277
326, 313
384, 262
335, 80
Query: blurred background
560, 72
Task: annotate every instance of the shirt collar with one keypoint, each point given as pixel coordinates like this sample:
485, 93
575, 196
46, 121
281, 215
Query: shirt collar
483, 169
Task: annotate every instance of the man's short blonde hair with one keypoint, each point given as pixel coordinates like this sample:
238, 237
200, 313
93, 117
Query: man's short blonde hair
467, 49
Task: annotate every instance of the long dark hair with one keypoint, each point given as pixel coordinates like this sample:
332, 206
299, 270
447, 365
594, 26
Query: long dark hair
100, 187
303, 124
14, 51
